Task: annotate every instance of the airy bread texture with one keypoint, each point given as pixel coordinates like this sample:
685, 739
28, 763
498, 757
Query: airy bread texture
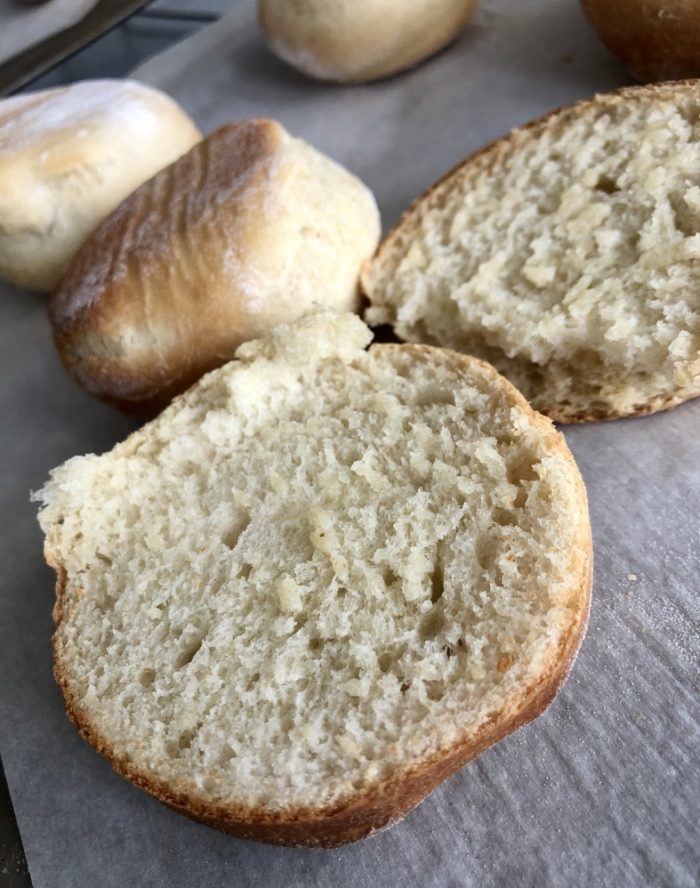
359, 40
246, 231
319, 583
68, 157
567, 254
654, 39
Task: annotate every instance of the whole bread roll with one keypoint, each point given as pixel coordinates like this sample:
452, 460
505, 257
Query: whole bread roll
359, 40
247, 230
654, 39
68, 157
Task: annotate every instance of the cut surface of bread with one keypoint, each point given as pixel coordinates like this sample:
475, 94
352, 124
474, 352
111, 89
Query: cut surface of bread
247, 230
320, 582
567, 254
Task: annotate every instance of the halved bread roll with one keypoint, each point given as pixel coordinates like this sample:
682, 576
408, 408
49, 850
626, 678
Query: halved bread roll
567, 254
319, 583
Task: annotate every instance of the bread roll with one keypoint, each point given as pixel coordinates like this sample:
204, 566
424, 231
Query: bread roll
319, 583
566, 254
247, 230
654, 39
68, 157
358, 40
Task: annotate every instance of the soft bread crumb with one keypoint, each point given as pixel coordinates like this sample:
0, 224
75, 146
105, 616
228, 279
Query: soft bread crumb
317, 567
567, 255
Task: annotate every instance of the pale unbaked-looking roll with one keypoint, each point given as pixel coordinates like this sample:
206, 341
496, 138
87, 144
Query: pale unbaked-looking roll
68, 157
359, 40
247, 230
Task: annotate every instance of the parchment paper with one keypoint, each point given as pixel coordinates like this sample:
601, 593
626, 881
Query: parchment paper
602, 790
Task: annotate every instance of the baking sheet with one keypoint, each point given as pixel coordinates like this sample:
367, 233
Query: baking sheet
602, 790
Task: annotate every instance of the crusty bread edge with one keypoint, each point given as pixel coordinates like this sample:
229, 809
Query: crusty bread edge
484, 159
384, 803
560, 413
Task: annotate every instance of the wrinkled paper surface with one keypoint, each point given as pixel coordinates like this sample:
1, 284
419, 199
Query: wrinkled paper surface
600, 790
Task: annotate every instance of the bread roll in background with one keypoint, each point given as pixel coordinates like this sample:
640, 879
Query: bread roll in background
654, 39
68, 157
358, 40
249, 229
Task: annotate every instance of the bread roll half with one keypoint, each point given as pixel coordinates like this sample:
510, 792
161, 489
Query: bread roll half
566, 254
247, 230
68, 157
320, 582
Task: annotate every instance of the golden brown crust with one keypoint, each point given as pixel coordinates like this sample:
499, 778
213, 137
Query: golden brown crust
482, 162
136, 317
245, 231
654, 39
565, 415
379, 806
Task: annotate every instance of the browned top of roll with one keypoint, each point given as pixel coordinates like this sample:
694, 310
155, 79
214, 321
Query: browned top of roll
246, 230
